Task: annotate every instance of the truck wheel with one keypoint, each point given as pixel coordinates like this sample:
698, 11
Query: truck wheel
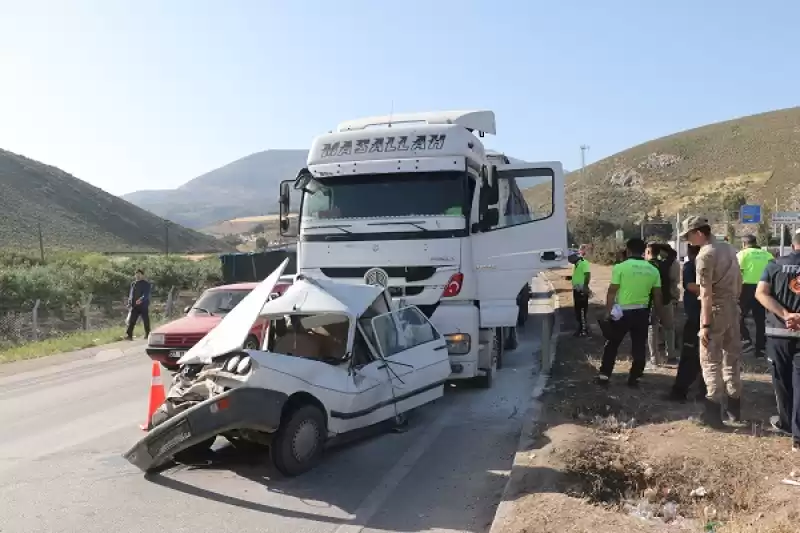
499, 346
251, 343
299, 442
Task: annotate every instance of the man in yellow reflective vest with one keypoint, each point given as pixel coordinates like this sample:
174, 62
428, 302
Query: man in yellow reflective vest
752, 262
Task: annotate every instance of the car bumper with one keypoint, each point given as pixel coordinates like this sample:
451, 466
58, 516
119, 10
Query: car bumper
241, 408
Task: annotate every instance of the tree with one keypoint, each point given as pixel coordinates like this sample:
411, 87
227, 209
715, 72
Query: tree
732, 203
658, 217
764, 230
586, 229
262, 243
232, 240
258, 229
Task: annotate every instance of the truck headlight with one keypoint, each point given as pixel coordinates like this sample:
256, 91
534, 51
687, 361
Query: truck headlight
156, 339
458, 343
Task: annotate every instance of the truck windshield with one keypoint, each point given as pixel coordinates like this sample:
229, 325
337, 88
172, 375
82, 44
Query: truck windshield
417, 194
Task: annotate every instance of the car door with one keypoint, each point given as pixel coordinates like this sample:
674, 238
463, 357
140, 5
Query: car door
369, 398
414, 355
530, 236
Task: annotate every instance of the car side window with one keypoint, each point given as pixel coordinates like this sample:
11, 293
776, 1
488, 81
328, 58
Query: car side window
401, 330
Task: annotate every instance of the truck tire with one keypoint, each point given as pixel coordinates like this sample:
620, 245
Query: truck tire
485, 381
500, 347
299, 442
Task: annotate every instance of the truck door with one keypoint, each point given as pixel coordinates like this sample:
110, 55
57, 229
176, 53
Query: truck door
527, 234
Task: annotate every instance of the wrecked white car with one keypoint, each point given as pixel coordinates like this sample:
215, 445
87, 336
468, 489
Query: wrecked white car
336, 357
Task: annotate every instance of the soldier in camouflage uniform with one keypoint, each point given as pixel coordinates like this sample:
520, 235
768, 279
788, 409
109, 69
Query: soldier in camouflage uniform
720, 281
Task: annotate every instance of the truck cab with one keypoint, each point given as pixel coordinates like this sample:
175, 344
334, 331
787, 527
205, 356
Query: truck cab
416, 204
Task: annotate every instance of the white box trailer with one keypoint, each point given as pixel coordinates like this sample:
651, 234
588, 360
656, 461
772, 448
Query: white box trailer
416, 204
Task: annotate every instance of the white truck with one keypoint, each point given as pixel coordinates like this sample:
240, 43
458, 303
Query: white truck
416, 204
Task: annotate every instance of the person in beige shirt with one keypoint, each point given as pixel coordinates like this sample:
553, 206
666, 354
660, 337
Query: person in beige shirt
720, 281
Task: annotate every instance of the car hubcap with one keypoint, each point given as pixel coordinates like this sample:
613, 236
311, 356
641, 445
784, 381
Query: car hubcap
305, 441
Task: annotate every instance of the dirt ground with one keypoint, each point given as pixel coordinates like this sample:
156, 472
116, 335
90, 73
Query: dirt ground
627, 460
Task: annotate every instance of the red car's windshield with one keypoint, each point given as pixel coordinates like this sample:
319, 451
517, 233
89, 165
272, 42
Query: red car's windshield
217, 302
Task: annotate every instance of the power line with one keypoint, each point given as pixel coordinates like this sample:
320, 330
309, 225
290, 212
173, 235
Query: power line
584, 188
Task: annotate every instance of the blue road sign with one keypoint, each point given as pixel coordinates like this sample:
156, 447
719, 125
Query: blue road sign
750, 214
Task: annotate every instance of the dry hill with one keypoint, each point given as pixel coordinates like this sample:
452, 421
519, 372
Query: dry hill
77, 216
692, 171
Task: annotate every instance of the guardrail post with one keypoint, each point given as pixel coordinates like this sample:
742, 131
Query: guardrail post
547, 331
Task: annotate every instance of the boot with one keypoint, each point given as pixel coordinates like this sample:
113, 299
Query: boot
734, 409
712, 415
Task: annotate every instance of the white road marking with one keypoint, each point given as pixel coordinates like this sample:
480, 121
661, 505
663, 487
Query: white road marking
395, 476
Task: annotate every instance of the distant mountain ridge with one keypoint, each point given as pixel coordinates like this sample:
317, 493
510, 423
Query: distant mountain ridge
756, 157
75, 215
245, 187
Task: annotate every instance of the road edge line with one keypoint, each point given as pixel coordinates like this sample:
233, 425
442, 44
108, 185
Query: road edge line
530, 418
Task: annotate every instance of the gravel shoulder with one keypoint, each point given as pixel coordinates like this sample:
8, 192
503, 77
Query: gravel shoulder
621, 460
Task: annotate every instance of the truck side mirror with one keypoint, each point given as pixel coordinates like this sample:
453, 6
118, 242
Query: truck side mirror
285, 203
490, 191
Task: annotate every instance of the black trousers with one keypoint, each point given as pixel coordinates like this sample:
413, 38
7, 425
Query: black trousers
580, 301
634, 322
748, 303
784, 355
136, 312
689, 369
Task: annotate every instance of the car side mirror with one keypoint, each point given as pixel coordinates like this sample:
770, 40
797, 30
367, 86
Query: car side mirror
187, 309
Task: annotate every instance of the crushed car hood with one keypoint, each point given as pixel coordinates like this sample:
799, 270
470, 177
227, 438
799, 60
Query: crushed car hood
231, 332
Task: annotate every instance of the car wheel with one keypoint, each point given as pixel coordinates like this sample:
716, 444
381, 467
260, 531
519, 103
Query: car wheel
299, 442
251, 343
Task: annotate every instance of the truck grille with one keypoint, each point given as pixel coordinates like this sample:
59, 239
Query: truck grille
411, 274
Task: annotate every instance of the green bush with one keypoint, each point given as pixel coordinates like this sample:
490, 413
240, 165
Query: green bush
66, 279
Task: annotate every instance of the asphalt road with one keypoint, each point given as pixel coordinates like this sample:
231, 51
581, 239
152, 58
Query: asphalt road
63, 428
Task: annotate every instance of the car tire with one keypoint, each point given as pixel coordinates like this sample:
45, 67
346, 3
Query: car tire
299, 443
251, 343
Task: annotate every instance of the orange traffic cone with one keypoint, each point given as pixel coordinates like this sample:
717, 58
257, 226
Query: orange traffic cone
157, 396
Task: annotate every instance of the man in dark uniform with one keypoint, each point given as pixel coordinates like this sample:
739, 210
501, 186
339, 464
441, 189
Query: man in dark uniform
779, 293
689, 366
139, 304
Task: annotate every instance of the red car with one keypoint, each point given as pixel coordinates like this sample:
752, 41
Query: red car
169, 342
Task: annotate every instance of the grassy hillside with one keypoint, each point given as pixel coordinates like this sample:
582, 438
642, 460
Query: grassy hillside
245, 187
694, 170
77, 216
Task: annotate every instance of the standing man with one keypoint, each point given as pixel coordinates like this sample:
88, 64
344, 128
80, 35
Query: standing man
635, 284
689, 365
581, 276
664, 321
779, 292
752, 261
720, 282
139, 304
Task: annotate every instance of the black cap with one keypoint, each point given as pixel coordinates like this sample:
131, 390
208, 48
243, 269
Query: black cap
749, 239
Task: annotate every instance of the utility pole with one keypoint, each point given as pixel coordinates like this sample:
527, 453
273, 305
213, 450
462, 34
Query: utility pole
41, 242
584, 187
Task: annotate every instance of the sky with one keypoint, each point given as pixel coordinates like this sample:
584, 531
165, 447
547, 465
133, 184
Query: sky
148, 94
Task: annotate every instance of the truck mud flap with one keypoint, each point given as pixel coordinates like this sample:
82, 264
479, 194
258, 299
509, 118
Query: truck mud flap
242, 408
